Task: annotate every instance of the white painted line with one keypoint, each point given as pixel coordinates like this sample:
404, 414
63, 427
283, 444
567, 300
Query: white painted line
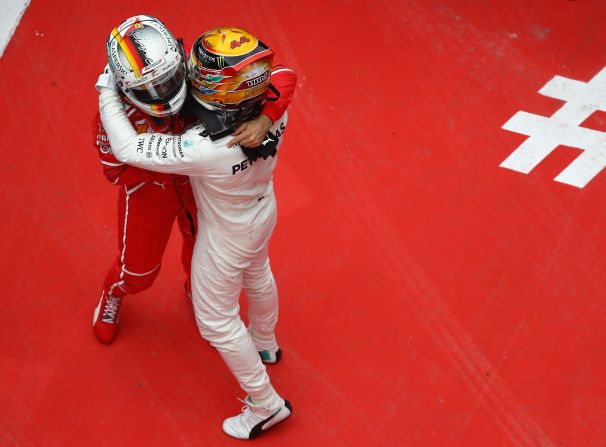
12, 11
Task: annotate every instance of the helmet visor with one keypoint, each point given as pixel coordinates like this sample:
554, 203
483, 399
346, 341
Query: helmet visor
162, 89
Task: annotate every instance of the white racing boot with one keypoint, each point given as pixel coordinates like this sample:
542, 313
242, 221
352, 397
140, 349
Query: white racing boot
256, 419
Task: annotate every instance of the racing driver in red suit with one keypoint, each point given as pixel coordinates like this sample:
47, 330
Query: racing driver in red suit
150, 69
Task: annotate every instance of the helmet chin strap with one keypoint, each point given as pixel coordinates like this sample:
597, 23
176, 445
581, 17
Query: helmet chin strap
217, 124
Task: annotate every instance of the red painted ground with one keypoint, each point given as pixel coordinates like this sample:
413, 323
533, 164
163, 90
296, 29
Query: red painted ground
429, 297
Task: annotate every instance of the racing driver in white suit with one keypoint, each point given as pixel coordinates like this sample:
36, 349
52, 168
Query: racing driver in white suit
229, 72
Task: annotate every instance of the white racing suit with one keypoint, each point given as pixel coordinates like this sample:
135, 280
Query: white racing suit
236, 214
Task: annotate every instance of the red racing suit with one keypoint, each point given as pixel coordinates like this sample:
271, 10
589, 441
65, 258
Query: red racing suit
148, 203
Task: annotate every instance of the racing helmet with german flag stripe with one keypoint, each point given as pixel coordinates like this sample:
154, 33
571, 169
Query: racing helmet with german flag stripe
229, 71
149, 65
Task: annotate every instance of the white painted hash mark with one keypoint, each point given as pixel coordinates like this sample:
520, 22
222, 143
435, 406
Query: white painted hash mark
563, 128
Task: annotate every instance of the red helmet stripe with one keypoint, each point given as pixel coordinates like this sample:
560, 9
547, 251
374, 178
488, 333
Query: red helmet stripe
138, 54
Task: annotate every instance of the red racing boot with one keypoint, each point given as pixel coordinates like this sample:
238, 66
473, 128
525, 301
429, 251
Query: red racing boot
105, 318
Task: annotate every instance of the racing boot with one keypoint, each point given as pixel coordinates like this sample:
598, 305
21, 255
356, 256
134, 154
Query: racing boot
105, 318
256, 419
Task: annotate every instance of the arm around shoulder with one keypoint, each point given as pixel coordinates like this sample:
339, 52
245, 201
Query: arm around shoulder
160, 152
284, 80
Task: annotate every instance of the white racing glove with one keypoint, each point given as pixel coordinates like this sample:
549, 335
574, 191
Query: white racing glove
106, 80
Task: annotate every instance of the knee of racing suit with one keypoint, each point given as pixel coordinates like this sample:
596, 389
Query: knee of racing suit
260, 286
120, 281
223, 329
